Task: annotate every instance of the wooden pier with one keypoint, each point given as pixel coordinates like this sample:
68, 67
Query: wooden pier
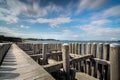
17, 65
73, 61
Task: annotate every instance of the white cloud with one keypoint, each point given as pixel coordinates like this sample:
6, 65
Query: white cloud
5, 29
114, 11
5, 15
52, 22
67, 31
13, 8
32, 8
15, 32
100, 22
96, 29
110, 12
24, 27
89, 4
100, 31
9, 19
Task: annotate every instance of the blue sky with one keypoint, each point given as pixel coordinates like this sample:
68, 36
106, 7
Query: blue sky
61, 19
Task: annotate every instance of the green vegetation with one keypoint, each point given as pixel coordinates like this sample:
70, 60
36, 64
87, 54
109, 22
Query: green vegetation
4, 39
16, 39
35, 39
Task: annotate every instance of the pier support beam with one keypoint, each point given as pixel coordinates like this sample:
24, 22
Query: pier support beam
114, 61
66, 63
44, 52
106, 48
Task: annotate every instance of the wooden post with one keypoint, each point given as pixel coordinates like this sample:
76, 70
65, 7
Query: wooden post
70, 48
73, 48
44, 51
106, 48
88, 65
76, 52
83, 53
93, 68
83, 48
79, 48
114, 61
79, 53
34, 48
65, 55
76, 48
106, 57
100, 56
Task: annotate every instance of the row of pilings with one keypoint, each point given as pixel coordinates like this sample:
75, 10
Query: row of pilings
104, 65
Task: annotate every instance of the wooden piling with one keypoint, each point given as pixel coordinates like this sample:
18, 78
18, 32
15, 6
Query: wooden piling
76, 48
93, 52
44, 51
73, 48
76, 52
84, 53
70, 48
65, 56
79, 48
99, 66
88, 65
106, 48
79, 53
114, 61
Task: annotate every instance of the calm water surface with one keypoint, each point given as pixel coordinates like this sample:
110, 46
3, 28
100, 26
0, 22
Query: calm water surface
65, 41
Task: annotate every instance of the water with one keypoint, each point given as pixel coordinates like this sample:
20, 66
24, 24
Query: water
66, 41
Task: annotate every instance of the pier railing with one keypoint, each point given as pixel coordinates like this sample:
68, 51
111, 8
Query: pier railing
101, 61
3, 50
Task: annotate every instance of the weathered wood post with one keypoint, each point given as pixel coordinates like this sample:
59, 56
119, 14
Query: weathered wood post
44, 51
70, 48
100, 66
65, 55
84, 53
79, 53
88, 66
73, 48
93, 52
114, 61
106, 48
76, 48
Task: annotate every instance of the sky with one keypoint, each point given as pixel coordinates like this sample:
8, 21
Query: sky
61, 19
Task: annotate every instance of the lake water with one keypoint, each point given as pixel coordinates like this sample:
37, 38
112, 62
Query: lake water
66, 41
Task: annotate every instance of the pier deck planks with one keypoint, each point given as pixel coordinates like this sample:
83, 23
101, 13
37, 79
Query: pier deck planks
17, 65
83, 76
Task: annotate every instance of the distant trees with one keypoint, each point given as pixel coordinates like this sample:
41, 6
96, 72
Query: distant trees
9, 39
35, 39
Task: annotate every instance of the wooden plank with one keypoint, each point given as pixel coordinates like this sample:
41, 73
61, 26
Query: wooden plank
36, 56
101, 61
83, 76
58, 65
53, 67
17, 65
82, 57
3, 50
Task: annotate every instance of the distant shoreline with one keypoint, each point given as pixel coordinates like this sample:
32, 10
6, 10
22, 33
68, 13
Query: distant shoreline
4, 39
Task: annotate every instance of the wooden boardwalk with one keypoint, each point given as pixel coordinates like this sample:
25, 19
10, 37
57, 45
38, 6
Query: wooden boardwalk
83, 76
17, 65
